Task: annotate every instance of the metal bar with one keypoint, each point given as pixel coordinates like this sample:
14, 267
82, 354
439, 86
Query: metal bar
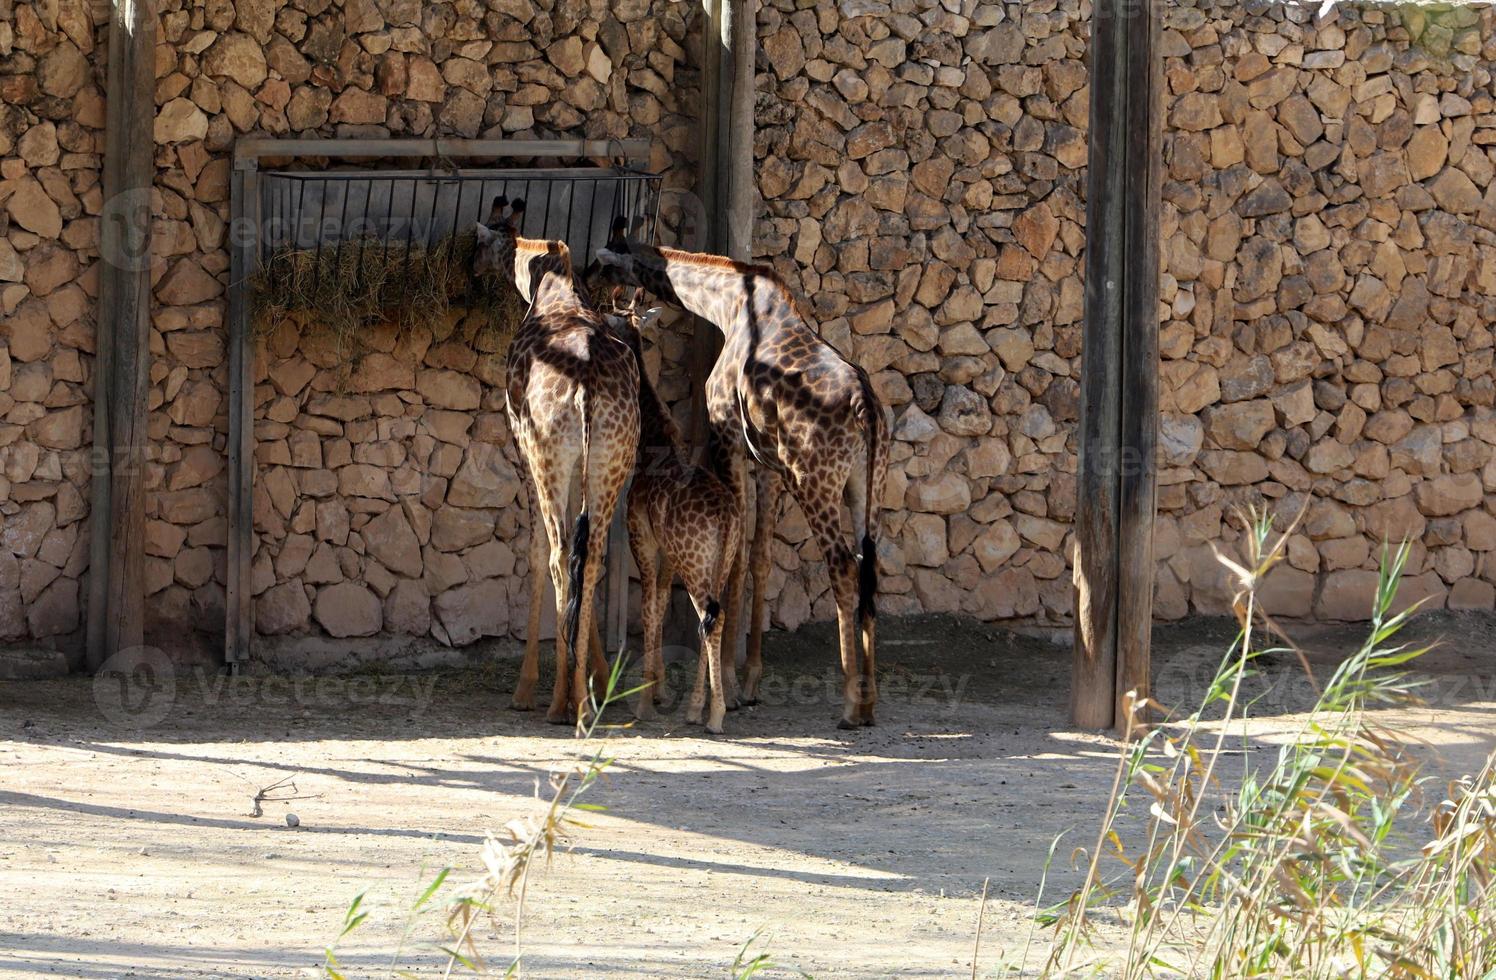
634, 150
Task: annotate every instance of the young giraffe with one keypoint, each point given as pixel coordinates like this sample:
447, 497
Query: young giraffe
683, 520
806, 415
573, 406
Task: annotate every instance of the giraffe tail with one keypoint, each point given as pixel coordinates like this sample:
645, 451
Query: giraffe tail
709, 618
867, 572
577, 563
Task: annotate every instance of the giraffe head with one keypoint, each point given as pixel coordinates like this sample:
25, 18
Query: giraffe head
629, 322
626, 261
522, 261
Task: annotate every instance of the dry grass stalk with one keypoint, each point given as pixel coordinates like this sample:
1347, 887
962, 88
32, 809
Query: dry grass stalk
1297, 868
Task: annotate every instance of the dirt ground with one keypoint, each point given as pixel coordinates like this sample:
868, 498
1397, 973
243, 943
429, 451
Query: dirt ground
127, 845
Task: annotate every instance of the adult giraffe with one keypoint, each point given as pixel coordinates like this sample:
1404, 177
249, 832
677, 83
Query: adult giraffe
573, 406
807, 416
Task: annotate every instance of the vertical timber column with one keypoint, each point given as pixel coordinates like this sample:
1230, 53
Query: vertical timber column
1119, 368
244, 225
116, 603
741, 41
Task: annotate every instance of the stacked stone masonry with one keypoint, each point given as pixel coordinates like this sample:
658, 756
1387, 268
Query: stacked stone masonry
1329, 282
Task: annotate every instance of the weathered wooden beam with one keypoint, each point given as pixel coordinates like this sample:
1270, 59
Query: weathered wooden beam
742, 181
243, 256
1115, 487
116, 606
1137, 497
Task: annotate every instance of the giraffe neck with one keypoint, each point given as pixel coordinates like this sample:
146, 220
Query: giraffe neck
716, 289
557, 288
543, 272
657, 430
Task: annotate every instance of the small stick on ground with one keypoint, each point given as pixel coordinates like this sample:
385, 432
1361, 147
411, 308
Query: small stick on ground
263, 794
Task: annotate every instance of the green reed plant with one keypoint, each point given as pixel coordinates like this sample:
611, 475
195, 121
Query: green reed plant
1303, 866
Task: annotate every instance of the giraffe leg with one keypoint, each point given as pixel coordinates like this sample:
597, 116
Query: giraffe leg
737, 481
559, 712
642, 544
710, 664
856, 499
732, 611
824, 517
763, 533
529, 671
553, 492
869, 675
598, 660
656, 662
600, 506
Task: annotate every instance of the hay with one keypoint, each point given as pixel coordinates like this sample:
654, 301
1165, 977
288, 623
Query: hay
345, 288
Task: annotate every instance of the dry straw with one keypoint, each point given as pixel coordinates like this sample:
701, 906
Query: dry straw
345, 288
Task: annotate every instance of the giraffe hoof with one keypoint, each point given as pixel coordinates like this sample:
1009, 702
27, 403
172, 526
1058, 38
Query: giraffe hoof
748, 702
558, 717
868, 721
714, 729
846, 724
522, 704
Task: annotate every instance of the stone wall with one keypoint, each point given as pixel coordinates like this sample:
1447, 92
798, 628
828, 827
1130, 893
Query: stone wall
51, 114
387, 499
1329, 250
1329, 267
924, 176
1328, 288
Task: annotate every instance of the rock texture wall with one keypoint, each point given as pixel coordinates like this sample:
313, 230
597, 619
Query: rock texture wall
924, 175
51, 114
1330, 267
1328, 247
386, 488
1328, 272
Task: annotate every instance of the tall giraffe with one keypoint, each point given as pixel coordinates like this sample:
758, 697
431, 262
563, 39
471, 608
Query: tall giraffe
683, 520
573, 406
807, 416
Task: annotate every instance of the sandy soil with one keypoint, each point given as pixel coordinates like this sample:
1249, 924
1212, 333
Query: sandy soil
131, 851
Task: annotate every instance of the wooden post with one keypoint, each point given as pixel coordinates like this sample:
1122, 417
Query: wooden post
243, 256
116, 604
1116, 486
741, 41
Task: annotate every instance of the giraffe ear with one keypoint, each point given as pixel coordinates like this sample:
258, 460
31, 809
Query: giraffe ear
496, 210
485, 234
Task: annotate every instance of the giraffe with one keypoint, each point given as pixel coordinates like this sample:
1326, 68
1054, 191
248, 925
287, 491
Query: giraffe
573, 407
809, 418
683, 520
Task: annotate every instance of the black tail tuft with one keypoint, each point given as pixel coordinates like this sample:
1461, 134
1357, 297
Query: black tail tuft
709, 619
574, 579
867, 580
